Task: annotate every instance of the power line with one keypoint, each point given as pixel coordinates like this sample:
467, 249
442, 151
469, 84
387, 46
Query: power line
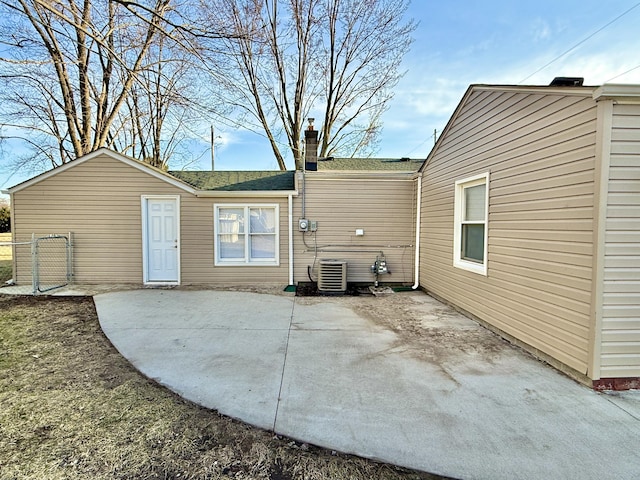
416, 148
580, 43
623, 73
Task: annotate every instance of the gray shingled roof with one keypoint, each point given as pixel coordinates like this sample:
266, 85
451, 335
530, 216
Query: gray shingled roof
283, 181
370, 164
237, 180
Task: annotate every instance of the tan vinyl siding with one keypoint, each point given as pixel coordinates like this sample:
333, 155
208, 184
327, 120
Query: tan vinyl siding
99, 200
540, 152
620, 348
198, 245
383, 206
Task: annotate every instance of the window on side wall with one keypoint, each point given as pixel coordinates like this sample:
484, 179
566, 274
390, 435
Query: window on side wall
470, 223
246, 234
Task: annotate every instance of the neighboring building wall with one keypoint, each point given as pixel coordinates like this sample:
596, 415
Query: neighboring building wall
100, 202
539, 148
620, 340
382, 204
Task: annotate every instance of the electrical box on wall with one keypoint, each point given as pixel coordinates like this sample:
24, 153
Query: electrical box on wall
305, 225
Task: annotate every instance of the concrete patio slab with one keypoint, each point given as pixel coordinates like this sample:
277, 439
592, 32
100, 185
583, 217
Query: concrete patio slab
222, 350
438, 393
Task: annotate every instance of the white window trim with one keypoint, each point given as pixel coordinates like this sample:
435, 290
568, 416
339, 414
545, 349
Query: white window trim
247, 262
458, 262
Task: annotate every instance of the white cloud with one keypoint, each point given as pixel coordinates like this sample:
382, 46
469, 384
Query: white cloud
617, 65
224, 139
425, 97
541, 30
477, 48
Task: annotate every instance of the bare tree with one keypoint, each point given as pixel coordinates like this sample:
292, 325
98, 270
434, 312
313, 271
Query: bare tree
159, 107
81, 74
284, 60
70, 68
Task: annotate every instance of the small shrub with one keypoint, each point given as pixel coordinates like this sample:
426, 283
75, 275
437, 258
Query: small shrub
5, 219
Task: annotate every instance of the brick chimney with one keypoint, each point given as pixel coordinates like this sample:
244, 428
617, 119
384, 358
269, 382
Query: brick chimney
311, 148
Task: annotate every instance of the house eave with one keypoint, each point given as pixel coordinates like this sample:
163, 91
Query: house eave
618, 91
581, 91
245, 193
148, 169
362, 175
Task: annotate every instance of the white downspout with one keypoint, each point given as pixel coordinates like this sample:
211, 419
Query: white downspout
290, 239
416, 267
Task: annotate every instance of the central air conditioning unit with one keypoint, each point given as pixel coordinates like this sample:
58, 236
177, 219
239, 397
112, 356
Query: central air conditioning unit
332, 276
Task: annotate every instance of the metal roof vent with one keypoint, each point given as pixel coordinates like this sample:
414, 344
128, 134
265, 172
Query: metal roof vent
567, 82
332, 276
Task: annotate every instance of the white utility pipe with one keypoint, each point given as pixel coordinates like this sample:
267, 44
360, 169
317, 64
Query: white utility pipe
290, 239
417, 259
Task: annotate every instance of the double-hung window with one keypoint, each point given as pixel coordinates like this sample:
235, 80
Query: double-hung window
246, 234
470, 223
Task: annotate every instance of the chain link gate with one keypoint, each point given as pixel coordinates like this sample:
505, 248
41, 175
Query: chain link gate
51, 262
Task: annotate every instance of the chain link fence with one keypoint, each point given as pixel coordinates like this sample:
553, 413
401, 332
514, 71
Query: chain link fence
41, 264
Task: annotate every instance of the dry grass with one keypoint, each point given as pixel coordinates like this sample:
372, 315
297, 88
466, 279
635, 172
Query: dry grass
6, 271
72, 407
6, 268
5, 250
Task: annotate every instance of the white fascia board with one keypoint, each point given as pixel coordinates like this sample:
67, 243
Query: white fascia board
245, 193
378, 175
618, 91
154, 172
580, 91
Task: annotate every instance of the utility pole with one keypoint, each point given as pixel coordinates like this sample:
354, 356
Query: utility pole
213, 150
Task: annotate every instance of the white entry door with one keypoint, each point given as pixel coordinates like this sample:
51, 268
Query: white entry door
161, 242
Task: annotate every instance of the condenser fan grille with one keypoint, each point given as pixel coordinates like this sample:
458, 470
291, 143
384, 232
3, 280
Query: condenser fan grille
332, 276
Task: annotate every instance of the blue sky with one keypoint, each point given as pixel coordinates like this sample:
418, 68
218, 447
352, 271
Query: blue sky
458, 43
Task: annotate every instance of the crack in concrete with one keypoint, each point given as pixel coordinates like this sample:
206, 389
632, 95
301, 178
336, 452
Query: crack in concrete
622, 408
284, 365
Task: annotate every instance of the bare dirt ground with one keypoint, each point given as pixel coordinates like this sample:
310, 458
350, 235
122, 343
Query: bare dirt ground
425, 328
72, 407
